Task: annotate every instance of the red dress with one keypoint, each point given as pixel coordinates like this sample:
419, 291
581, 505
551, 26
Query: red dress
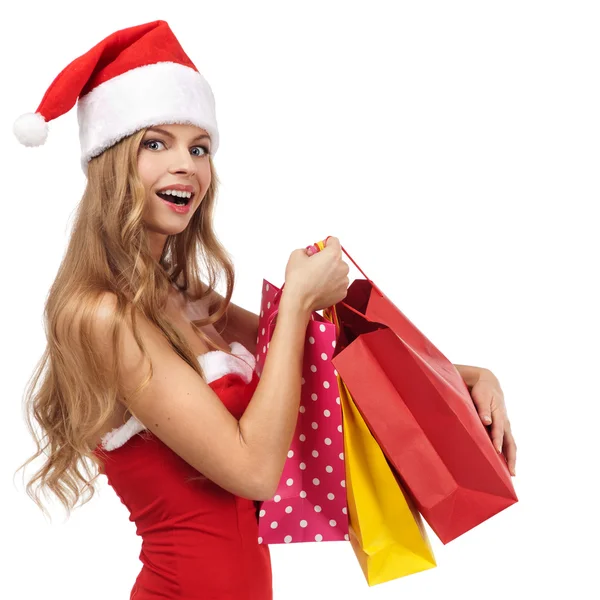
198, 540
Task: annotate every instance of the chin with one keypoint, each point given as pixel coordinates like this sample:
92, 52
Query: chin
162, 228
172, 230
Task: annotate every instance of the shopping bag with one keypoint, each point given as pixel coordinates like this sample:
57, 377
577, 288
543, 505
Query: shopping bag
421, 413
310, 502
385, 528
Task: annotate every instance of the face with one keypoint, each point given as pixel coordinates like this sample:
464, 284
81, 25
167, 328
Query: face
173, 163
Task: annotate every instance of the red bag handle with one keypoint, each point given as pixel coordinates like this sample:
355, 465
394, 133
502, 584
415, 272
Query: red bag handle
318, 246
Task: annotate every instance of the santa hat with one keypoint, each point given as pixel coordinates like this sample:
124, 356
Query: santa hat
135, 78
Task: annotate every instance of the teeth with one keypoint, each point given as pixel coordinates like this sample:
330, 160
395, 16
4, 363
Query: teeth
177, 193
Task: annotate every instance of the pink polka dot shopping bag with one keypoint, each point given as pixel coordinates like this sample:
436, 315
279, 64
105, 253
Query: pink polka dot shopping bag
310, 502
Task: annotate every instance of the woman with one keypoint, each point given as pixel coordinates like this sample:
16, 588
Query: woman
148, 377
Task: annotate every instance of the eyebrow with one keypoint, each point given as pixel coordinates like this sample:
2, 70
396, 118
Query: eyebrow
170, 135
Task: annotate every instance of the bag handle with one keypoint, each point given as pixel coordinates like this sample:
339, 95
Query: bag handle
318, 246
272, 318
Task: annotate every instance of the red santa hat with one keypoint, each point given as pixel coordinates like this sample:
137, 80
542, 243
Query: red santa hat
135, 78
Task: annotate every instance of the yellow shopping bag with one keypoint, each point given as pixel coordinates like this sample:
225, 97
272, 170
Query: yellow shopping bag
386, 531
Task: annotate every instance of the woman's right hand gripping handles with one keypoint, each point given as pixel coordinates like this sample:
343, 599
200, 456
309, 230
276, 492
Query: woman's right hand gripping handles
318, 281
244, 457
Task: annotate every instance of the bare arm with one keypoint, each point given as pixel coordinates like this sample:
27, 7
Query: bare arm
270, 419
245, 457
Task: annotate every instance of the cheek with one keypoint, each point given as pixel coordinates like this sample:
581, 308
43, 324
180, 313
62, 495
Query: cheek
143, 170
148, 170
204, 174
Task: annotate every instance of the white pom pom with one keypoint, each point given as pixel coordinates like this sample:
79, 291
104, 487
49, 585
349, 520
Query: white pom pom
31, 129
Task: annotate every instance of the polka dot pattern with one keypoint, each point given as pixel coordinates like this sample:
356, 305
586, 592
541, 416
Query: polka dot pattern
310, 503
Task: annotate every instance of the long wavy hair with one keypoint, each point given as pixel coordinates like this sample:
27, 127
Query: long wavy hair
69, 397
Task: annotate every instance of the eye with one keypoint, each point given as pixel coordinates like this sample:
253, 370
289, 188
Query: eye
148, 142
203, 148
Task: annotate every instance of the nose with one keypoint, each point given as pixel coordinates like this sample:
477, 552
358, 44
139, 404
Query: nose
182, 163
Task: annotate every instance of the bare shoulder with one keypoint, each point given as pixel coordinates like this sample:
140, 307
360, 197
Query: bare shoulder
93, 329
70, 319
98, 324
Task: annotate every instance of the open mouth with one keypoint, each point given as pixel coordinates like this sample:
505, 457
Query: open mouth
179, 200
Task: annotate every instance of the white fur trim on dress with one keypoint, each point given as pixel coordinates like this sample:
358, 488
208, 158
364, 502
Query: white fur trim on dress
161, 93
215, 364
117, 437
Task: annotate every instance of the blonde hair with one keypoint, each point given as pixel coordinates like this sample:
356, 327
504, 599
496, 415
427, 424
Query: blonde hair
108, 251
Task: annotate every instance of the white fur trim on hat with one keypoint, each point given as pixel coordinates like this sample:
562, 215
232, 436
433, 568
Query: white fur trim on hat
215, 364
161, 93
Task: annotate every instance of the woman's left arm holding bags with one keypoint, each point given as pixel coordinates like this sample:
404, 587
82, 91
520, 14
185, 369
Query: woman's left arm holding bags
241, 325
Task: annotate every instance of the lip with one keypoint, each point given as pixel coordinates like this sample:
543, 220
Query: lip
179, 187
182, 210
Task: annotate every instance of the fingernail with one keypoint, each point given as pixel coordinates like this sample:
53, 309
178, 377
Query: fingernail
487, 419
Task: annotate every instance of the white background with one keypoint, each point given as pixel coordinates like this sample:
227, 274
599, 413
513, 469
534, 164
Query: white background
453, 147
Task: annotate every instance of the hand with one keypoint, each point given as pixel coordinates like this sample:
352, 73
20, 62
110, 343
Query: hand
489, 401
317, 281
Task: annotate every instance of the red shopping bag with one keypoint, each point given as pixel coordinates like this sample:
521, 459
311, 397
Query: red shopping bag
310, 502
420, 411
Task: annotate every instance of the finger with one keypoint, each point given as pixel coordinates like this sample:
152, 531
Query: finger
347, 267
333, 242
310, 250
497, 431
510, 451
484, 415
483, 403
